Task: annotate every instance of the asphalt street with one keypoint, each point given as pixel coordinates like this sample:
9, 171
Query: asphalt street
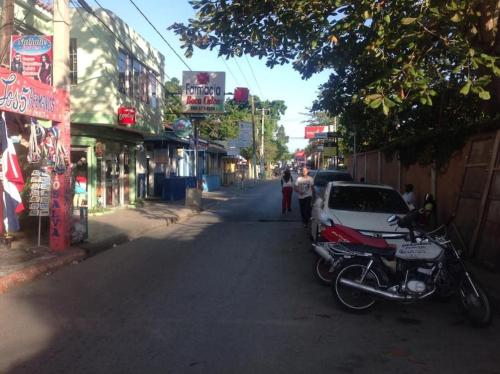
231, 290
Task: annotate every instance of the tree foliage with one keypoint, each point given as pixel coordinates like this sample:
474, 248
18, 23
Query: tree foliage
405, 74
401, 47
225, 126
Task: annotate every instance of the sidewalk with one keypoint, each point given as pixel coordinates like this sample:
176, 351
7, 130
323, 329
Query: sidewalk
24, 261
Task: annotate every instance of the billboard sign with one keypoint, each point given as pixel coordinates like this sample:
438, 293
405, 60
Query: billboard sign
203, 92
310, 131
245, 138
31, 56
22, 95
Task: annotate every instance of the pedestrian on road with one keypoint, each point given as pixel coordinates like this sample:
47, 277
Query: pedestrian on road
286, 191
304, 187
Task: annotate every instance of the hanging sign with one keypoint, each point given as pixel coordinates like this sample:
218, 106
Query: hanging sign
203, 92
126, 116
19, 94
182, 127
31, 56
39, 193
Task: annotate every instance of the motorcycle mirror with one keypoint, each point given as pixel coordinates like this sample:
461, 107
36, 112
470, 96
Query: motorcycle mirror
392, 220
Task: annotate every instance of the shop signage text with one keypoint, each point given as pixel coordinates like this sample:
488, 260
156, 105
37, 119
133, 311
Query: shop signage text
126, 116
203, 92
31, 56
27, 96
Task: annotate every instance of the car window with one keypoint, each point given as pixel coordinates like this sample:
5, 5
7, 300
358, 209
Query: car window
321, 179
367, 199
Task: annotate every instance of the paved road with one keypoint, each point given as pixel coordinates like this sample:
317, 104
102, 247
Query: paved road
230, 291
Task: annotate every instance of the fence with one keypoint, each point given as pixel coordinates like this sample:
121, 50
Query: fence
468, 187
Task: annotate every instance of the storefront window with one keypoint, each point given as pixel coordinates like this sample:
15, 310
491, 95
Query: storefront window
137, 72
153, 83
122, 72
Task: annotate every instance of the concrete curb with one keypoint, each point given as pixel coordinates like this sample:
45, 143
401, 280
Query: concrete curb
34, 271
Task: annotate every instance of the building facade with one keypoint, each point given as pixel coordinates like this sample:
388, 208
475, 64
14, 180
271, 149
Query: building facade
116, 101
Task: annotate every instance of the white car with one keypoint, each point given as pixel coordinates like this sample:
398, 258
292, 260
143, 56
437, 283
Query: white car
364, 207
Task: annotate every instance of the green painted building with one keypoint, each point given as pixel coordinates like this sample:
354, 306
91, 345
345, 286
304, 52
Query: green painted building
112, 70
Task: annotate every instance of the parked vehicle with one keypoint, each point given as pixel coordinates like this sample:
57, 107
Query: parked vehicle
322, 177
426, 265
362, 207
332, 234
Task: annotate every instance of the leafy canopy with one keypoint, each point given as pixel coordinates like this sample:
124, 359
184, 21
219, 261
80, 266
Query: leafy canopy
400, 47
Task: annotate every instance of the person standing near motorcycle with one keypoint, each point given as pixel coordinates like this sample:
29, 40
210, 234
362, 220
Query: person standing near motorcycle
286, 191
304, 187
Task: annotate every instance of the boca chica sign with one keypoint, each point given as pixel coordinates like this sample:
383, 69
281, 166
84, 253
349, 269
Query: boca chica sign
203, 92
30, 97
126, 116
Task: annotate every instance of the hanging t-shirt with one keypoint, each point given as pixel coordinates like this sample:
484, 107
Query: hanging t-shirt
80, 184
304, 186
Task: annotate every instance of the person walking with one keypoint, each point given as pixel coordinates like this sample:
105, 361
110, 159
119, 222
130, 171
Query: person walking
286, 191
304, 187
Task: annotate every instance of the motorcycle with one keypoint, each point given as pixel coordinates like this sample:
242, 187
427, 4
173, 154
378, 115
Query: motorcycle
329, 253
425, 266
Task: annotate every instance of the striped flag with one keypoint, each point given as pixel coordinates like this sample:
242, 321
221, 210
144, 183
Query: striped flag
13, 181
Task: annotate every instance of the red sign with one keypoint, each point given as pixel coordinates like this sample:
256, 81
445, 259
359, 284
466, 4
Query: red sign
31, 56
241, 94
311, 130
30, 97
126, 116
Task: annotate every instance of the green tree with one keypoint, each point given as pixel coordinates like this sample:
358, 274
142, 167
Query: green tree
172, 108
400, 47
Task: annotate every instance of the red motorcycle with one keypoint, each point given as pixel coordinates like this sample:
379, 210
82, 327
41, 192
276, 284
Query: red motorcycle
330, 253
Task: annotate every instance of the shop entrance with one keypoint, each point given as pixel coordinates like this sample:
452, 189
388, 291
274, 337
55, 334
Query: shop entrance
80, 177
113, 178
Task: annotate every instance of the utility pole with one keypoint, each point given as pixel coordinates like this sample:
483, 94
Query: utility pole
60, 219
262, 168
254, 162
6, 30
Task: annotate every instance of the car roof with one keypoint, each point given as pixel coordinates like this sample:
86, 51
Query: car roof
363, 185
333, 171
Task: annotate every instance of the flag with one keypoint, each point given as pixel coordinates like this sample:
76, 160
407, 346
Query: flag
13, 181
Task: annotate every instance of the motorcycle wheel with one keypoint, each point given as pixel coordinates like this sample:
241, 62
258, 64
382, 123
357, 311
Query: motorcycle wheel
322, 271
348, 298
477, 308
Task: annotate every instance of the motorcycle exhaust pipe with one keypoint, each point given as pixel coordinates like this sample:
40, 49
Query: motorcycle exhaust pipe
372, 290
323, 252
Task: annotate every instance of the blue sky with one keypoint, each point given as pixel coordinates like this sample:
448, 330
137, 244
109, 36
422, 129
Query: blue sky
279, 83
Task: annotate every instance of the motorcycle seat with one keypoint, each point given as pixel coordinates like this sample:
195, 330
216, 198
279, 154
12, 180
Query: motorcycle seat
384, 252
341, 233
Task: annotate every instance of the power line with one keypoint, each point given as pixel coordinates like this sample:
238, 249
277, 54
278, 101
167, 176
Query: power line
161, 36
254, 78
241, 71
230, 71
